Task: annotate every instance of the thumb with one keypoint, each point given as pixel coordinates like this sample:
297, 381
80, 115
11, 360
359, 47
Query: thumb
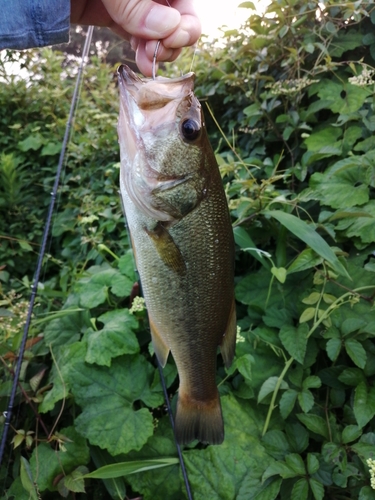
143, 18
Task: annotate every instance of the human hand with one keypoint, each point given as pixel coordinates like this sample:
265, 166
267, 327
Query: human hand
143, 23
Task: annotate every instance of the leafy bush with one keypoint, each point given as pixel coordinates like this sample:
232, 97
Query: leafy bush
292, 97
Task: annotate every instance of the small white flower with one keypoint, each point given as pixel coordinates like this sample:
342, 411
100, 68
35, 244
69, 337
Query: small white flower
371, 465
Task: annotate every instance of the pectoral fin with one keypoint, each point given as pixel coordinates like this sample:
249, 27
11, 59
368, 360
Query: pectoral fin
160, 347
167, 249
228, 344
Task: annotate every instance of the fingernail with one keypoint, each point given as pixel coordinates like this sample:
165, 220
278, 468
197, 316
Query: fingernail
162, 19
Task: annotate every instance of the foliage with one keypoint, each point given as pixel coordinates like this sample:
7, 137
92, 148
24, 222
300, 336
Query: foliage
292, 97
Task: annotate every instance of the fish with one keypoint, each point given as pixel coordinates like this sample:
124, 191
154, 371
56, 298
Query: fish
181, 233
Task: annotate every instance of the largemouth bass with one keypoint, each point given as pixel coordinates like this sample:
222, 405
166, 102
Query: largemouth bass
182, 238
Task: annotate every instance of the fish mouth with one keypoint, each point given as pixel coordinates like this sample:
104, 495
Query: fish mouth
150, 110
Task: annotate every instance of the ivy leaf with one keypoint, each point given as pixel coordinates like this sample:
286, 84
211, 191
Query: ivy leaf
356, 352
295, 340
115, 338
314, 423
310, 237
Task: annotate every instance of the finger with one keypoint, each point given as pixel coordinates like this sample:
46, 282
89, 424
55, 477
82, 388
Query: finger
143, 18
187, 33
163, 53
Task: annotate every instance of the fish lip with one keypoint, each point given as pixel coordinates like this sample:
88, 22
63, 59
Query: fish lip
127, 76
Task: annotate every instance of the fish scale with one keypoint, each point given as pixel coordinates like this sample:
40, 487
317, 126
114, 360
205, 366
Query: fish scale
182, 238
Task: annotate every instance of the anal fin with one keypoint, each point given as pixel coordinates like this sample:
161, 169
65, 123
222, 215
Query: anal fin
228, 344
167, 249
160, 347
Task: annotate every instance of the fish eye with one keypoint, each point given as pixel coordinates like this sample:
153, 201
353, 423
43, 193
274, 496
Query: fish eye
190, 129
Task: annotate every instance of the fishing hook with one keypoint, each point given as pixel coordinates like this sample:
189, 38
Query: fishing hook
154, 59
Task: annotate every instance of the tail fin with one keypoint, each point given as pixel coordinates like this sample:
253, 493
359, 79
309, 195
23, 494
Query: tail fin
200, 420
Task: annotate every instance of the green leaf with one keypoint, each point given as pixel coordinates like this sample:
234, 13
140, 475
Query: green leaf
317, 489
356, 352
360, 224
269, 386
93, 289
27, 479
312, 463
333, 348
295, 462
309, 236
352, 377
245, 242
115, 338
279, 468
295, 340
243, 365
351, 433
314, 423
162, 483
306, 400
106, 397
307, 314
344, 98
75, 480
364, 404
33, 142
126, 265
221, 469
121, 469
47, 463
116, 487
307, 259
300, 490
279, 273
298, 437
287, 402
322, 139
366, 493
276, 444
312, 382
312, 299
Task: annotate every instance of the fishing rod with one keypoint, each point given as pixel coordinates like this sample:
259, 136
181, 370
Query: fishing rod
47, 227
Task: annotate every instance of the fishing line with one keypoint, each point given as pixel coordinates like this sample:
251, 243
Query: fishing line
34, 286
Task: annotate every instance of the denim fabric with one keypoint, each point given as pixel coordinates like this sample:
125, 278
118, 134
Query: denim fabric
33, 23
